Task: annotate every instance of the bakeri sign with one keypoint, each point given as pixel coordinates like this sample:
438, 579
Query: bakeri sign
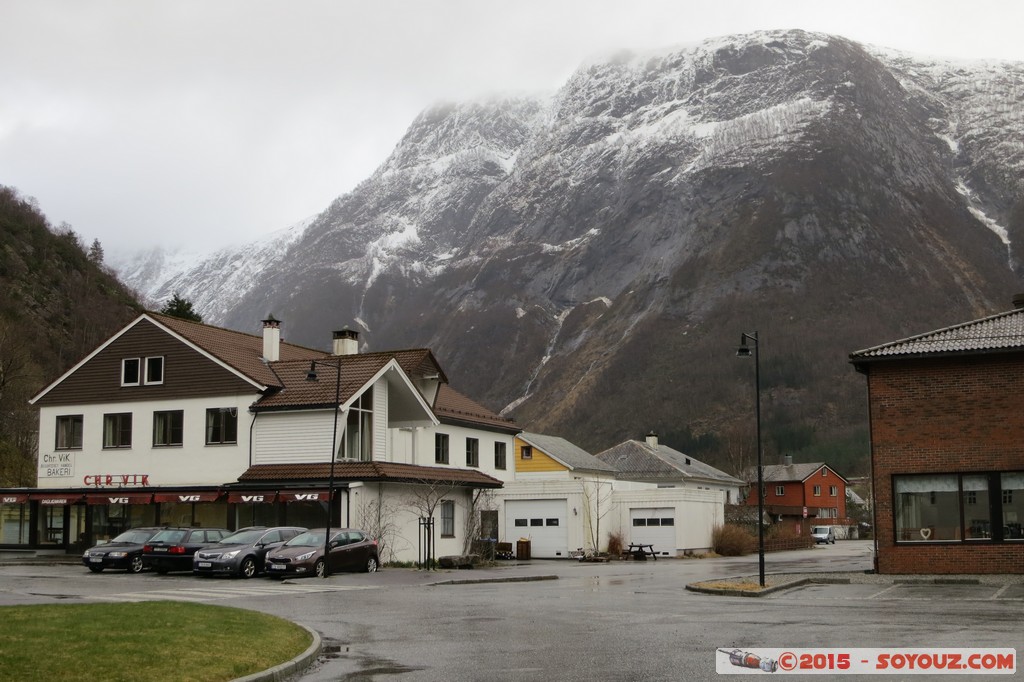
57, 465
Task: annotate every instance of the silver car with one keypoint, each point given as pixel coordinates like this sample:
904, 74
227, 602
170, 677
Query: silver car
242, 553
823, 535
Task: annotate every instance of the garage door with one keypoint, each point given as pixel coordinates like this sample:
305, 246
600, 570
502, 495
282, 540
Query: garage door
543, 522
654, 527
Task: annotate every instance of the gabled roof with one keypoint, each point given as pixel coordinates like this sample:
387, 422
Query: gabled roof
566, 453
1001, 332
635, 459
367, 471
452, 406
780, 473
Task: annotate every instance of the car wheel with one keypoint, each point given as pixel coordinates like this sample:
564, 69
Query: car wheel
248, 567
135, 566
371, 565
96, 569
321, 568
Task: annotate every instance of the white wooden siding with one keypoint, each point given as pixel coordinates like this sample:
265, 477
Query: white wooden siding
291, 437
380, 420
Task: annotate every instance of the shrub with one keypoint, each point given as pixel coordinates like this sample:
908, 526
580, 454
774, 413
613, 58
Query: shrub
615, 544
732, 540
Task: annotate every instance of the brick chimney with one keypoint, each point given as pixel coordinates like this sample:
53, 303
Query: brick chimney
271, 339
346, 342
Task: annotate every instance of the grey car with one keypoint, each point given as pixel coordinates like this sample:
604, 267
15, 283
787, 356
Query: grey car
242, 553
823, 535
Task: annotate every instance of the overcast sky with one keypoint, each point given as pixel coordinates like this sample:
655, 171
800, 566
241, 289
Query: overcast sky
210, 122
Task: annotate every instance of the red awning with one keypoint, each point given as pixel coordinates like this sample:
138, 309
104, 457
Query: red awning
114, 497
303, 495
253, 497
55, 499
18, 498
187, 497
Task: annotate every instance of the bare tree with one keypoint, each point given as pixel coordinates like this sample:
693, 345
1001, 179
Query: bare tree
596, 498
378, 517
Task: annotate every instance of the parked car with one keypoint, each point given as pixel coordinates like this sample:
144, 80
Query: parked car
823, 534
350, 550
243, 553
172, 548
124, 551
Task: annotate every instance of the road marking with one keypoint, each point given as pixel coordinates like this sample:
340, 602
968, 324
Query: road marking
878, 594
203, 594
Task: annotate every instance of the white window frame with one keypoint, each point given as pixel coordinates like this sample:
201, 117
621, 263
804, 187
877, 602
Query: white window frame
145, 366
138, 371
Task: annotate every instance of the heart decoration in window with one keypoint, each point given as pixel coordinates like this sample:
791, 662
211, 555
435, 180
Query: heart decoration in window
926, 533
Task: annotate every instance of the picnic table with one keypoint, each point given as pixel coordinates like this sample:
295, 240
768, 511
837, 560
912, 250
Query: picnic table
641, 551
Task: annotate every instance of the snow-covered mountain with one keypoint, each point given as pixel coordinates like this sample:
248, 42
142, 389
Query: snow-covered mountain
588, 260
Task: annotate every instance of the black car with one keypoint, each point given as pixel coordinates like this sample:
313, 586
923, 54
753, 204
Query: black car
242, 553
172, 548
124, 551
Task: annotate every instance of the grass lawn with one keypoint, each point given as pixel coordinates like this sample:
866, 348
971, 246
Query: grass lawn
140, 642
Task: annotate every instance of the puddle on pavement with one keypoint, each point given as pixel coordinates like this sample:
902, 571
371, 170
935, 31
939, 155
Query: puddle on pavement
369, 666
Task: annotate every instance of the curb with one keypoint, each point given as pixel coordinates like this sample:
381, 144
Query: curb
285, 670
475, 581
730, 592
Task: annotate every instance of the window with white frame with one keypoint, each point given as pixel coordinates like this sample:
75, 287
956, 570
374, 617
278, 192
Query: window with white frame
780, 490
131, 371
833, 491
357, 441
69, 432
817, 491
117, 430
155, 370
526, 452
472, 452
447, 519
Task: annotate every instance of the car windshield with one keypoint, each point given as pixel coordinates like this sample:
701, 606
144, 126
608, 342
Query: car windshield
307, 539
243, 537
821, 530
169, 536
136, 536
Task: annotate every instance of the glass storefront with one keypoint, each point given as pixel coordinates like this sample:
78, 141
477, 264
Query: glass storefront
14, 524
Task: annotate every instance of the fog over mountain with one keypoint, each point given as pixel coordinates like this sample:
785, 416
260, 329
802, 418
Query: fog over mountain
588, 261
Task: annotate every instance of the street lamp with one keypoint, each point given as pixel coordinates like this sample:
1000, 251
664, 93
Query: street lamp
744, 352
311, 376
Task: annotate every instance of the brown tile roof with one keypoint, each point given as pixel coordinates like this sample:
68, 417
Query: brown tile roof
299, 391
241, 351
450, 405
1004, 331
367, 471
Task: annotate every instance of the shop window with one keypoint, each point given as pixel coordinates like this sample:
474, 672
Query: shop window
168, 428
69, 432
1012, 508
956, 507
447, 519
117, 430
472, 452
440, 448
500, 456
222, 426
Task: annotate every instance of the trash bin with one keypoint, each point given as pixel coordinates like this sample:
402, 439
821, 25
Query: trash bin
523, 550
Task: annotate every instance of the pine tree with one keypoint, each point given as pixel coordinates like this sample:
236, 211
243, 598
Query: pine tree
181, 308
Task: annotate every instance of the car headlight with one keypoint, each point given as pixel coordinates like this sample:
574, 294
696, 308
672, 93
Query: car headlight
230, 555
85, 555
305, 556
117, 555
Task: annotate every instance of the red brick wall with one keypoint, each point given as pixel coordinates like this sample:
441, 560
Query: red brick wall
947, 415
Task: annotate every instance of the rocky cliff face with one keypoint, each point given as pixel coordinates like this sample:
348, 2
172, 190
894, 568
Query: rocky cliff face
589, 261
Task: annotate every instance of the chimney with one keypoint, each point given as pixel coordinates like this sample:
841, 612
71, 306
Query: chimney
1018, 301
346, 342
652, 439
787, 460
271, 339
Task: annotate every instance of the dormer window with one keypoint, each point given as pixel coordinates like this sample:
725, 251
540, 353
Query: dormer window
130, 371
155, 370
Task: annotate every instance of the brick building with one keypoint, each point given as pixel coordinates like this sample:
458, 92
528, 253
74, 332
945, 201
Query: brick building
946, 412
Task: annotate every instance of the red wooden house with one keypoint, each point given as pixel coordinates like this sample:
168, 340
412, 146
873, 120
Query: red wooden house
795, 492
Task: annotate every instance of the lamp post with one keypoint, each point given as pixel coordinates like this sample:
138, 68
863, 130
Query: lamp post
312, 376
744, 352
